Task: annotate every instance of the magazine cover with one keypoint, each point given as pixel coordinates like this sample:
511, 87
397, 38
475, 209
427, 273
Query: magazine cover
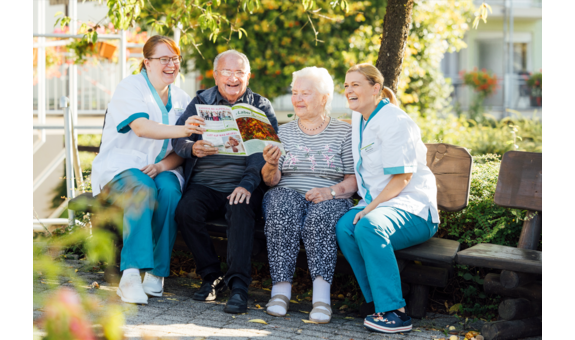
240, 130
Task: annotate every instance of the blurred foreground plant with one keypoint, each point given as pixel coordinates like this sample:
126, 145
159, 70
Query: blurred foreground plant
81, 311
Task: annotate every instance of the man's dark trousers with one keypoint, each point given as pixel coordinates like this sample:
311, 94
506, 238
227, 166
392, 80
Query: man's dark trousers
196, 204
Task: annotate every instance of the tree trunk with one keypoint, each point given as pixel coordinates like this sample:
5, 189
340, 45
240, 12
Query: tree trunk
396, 24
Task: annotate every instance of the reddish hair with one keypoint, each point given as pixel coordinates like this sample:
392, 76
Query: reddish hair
150, 47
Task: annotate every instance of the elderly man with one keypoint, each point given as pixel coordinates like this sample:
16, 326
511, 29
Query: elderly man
222, 184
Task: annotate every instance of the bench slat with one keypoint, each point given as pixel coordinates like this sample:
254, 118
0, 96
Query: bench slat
435, 250
502, 257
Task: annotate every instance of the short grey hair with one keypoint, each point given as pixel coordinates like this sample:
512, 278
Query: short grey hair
322, 80
239, 54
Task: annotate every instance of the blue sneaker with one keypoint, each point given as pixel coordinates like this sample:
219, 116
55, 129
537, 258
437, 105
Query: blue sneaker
388, 322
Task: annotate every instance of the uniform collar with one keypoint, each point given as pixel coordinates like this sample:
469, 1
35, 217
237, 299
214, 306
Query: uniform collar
212, 96
381, 104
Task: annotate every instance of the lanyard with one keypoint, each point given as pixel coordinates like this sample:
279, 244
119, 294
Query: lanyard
165, 117
381, 104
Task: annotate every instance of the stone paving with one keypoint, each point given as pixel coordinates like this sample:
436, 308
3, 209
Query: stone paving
177, 316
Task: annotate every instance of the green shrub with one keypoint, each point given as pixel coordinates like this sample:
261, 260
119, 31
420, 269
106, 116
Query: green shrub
488, 137
483, 221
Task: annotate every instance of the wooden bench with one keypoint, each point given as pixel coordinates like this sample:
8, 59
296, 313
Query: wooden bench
519, 186
435, 258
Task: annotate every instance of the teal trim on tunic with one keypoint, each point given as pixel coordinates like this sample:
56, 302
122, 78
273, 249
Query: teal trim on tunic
396, 170
164, 108
362, 127
124, 126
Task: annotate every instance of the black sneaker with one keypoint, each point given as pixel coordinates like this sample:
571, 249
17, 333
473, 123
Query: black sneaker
210, 290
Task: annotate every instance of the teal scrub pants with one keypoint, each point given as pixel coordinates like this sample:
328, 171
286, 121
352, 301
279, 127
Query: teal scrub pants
149, 227
369, 248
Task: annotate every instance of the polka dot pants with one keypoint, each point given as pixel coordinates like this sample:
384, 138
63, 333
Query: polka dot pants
289, 218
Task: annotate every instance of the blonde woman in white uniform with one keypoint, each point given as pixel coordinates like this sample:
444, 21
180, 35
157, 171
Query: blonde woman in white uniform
399, 196
135, 166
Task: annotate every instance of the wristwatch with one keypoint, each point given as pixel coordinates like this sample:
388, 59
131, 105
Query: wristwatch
332, 193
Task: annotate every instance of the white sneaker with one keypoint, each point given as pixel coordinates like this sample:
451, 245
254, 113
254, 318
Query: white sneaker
153, 285
131, 290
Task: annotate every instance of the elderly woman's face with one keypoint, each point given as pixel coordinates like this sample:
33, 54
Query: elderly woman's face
306, 99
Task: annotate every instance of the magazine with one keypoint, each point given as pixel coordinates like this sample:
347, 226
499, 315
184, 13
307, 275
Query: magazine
240, 130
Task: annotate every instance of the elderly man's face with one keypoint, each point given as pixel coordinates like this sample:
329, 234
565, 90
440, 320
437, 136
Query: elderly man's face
232, 86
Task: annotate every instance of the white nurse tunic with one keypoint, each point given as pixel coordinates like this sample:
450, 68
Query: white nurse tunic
389, 143
121, 148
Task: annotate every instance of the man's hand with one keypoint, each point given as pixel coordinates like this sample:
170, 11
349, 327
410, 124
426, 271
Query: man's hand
317, 195
203, 148
272, 154
239, 195
193, 125
152, 170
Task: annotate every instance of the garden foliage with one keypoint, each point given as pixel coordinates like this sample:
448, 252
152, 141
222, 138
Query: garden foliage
489, 136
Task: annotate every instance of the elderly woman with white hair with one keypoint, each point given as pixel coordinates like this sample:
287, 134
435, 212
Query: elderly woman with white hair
312, 184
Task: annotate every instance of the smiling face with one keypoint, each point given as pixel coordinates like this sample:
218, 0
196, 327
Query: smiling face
162, 75
361, 95
306, 99
231, 87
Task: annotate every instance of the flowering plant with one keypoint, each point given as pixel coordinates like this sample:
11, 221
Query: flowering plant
483, 82
535, 80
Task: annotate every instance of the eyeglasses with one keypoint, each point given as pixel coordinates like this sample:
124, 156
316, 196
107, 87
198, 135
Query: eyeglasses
166, 60
227, 73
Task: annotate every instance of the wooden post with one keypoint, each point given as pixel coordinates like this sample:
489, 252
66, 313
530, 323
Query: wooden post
417, 302
425, 275
405, 289
517, 309
531, 232
367, 309
503, 330
492, 285
510, 279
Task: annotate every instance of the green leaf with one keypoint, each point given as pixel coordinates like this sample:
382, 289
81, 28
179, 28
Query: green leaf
58, 13
468, 276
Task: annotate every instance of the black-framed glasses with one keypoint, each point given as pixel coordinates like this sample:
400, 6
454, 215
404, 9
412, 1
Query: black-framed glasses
227, 73
166, 60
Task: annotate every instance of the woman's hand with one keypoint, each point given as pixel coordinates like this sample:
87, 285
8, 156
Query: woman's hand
317, 195
193, 125
361, 214
272, 154
152, 170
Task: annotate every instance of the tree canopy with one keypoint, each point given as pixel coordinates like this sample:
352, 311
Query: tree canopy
280, 37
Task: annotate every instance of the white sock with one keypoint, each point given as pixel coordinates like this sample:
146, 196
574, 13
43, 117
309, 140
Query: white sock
321, 289
131, 271
283, 288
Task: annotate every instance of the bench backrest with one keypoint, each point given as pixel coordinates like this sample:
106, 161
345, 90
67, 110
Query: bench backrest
451, 166
520, 183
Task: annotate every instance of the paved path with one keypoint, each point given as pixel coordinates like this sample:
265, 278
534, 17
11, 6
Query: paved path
177, 316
